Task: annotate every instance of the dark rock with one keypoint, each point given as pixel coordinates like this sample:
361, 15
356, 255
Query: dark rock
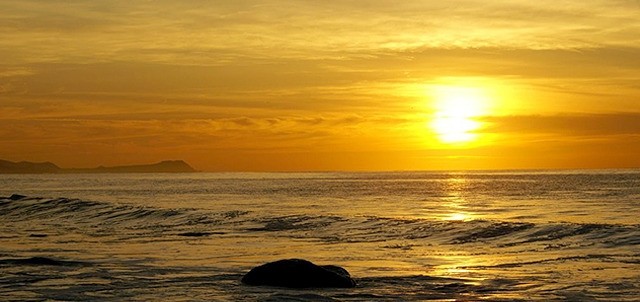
38, 235
17, 197
38, 261
298, 273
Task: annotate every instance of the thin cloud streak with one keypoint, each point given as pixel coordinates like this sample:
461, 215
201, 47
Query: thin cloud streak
611, 124
200, 33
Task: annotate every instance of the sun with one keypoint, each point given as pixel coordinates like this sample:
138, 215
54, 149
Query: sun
456, 110
455, 129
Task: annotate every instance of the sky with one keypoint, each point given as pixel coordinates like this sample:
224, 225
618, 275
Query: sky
322, 85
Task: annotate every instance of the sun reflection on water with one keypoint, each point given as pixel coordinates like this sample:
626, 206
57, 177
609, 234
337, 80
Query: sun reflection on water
457, 217
458, 266
455, 205
455, 208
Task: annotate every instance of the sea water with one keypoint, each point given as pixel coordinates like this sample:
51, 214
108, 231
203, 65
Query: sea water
403, 236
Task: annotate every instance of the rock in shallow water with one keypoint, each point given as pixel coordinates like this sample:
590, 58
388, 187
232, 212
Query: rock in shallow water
17, 197
39, 261
298, 273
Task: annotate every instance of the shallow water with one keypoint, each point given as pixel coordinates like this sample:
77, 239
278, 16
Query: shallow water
405, 236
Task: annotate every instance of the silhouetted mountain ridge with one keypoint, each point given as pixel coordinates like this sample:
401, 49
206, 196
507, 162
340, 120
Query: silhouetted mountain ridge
28, 167
167, 166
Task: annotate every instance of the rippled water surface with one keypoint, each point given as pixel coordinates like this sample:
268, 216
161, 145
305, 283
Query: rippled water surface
406, 236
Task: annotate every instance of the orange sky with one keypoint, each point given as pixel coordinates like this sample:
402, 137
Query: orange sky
322, 85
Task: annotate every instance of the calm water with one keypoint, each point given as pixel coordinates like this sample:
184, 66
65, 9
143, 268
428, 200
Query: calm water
409, 236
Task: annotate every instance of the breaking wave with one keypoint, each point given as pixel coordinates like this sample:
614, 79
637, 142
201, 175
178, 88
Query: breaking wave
100, 217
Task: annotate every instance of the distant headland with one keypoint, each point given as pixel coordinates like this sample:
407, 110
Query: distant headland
167, 166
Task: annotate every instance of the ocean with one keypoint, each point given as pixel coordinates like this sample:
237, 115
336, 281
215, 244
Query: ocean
403, 236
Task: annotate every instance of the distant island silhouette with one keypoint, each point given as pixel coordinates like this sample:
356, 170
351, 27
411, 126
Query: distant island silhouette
167, 166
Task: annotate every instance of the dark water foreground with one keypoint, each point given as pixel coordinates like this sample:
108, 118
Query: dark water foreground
498, 248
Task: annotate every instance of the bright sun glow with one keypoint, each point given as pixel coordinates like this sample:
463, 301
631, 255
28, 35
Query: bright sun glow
456, 108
